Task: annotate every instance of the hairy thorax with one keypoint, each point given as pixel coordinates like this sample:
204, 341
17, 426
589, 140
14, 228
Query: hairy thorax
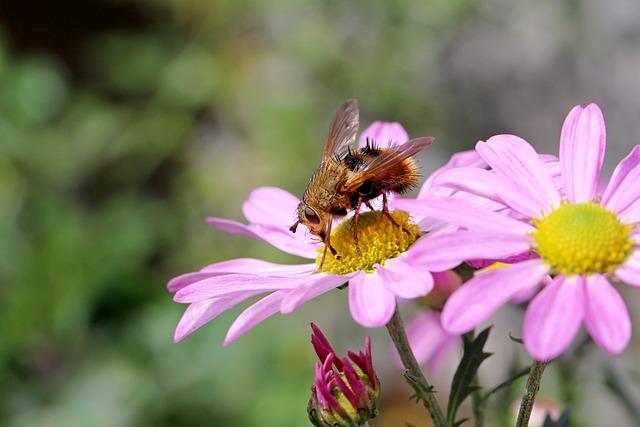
324, 190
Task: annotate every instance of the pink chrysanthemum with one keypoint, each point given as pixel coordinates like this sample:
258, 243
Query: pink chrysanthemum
583, 240
384, 271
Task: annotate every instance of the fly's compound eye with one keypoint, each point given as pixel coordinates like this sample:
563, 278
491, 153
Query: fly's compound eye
311, 216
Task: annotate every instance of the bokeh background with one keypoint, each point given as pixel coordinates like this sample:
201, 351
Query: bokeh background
124, 123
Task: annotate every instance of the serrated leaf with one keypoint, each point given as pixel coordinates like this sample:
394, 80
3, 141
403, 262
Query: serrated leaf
563, 420
461, 386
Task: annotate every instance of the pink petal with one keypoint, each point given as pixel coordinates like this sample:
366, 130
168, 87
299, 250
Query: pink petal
384, 134
473, 180
606, 316
230, 284
464, 214
300, 243
404, 280
239, 265
187, 279
433, 226
280, 237
253, 315
630, 214
428, 339
199, 313
466, 158
469, 158
553, 167
526, 294
623, 189
232, 227
445, 251
486, 292
490, 185
370, 302
553, 317
514, 159
582, 147
271, 206
444, 351
550, 158
315, 286
629, 272
258, 266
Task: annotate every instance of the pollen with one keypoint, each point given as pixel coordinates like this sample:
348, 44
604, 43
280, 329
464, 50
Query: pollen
582, 238
379, 240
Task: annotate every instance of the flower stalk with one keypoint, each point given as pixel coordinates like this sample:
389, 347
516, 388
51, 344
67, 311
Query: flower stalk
529, 397
477, 406
414, 373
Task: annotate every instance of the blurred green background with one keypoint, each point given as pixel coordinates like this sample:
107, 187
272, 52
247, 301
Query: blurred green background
124, 123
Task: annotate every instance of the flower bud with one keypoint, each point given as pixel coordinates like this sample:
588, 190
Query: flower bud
345, 390
444, 284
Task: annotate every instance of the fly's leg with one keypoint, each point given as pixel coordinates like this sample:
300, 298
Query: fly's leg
385, 211
327, 245
356, 217
324, 255
332, 249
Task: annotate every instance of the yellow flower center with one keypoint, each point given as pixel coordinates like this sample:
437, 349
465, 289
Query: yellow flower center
378, 238
582, 238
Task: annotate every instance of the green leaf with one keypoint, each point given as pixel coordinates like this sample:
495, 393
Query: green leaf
563, 421
461, 386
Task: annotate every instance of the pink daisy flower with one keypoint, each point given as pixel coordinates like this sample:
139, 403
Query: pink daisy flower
385, 271
583, 240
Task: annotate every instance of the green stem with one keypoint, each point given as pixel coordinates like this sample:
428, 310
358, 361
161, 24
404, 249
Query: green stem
478, 407
424, 389
529, 397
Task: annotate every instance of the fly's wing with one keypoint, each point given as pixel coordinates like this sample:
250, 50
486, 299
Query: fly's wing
342, 132
386, 160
